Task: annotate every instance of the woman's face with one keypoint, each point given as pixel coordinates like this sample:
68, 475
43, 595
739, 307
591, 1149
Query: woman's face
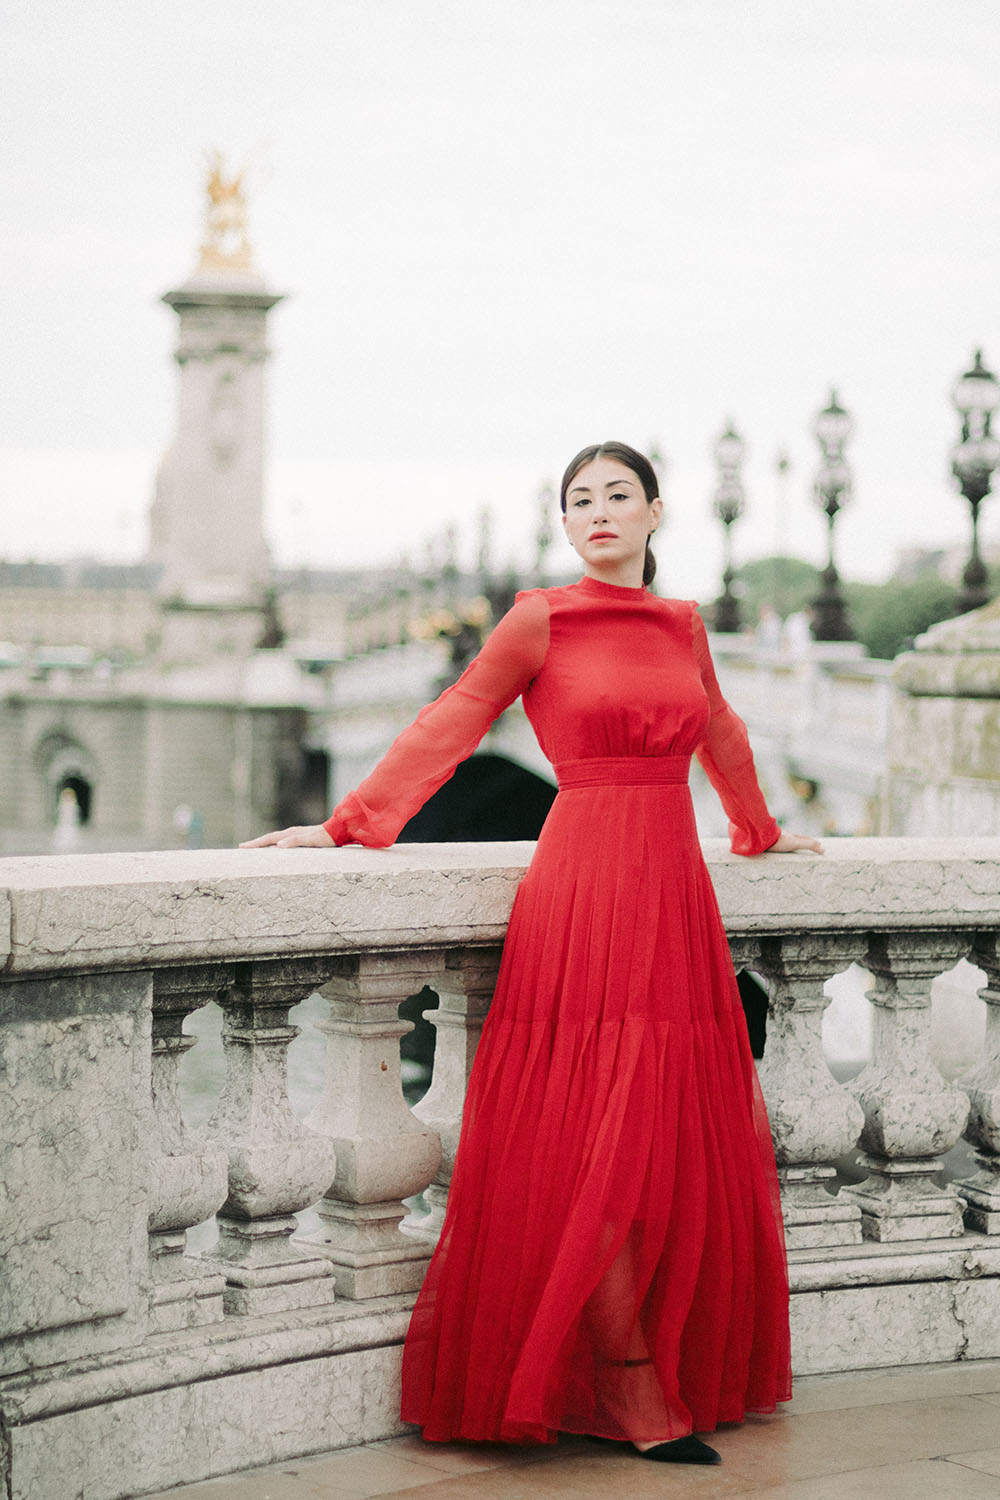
608, 519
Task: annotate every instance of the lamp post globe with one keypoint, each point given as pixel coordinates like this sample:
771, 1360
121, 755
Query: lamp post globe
729, 450
832, 427
976, 396
728, 504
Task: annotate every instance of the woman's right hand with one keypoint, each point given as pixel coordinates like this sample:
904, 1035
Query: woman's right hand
310, 836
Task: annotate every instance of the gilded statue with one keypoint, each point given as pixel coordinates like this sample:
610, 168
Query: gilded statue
225, 246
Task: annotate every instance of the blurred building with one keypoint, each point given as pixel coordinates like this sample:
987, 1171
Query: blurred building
152, 705
105, 609
913, 563
201, 696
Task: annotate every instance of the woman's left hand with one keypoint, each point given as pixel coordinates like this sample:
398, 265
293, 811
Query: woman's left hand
791, 843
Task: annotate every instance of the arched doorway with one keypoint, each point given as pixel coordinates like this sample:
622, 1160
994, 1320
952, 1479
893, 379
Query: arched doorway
82, 791
69, 777
489, 798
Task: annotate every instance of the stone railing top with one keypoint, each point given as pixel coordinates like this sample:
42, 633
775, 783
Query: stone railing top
979, 630
139, 911
957, 658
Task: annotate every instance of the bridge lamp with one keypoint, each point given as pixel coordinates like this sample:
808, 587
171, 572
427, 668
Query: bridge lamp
832, 491
976, 397
728, 504
543, 536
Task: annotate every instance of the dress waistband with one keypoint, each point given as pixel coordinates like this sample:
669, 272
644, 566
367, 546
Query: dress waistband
623, 770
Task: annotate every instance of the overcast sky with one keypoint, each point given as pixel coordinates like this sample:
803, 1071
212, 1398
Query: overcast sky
505, 231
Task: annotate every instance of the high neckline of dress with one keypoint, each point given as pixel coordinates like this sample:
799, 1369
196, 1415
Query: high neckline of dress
599, 588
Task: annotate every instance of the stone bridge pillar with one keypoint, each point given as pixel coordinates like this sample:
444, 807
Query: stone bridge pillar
943, 762
206, 522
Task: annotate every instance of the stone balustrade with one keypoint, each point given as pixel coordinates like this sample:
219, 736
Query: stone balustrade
819, 719
129, 1362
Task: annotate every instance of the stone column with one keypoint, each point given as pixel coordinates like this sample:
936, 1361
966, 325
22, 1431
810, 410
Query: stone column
465, 991
207, 523
187, 1175
942, 770
277, 1165
384, 1154
912, 1115
207, 518
981, 1192
813, 1119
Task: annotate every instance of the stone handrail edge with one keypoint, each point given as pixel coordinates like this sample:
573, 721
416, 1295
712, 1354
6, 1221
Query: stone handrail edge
141, 911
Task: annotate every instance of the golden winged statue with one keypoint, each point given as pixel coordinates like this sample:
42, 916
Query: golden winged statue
225, 246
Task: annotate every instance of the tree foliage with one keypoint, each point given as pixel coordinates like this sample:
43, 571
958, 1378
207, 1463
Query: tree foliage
886, 616
786, 583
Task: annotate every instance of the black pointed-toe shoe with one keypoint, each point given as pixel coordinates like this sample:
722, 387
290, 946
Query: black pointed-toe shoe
685, 1450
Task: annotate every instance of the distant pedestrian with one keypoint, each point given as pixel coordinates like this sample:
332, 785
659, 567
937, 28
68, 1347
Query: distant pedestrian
796, 634
66, 833
768, 632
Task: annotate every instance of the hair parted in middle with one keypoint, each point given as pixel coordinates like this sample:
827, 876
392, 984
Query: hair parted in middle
640, 466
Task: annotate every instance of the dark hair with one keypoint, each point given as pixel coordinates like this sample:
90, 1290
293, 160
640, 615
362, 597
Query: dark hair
640, 466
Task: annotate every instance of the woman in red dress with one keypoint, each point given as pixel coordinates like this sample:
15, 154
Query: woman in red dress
612, 1260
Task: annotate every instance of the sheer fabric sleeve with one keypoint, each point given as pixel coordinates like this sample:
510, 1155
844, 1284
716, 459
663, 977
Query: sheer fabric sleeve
727, 760
447, 731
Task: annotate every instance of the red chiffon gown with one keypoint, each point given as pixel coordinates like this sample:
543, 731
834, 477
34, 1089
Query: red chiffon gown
612, 1259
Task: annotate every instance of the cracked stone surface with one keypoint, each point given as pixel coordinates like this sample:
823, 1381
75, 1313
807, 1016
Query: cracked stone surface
103, 1405
74, 1088
943, 749
865, 1328
208, 1427
138, 910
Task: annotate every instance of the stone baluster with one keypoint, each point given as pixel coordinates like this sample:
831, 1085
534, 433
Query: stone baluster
912, 1115
813, 1119
981, 1192
187, 1174
277, 1165
465, 990
384, 1154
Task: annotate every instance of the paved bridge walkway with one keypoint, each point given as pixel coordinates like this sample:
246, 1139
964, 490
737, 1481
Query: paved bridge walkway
921, 1433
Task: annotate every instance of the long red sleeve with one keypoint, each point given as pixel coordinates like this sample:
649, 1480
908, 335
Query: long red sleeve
727, 760
445, 732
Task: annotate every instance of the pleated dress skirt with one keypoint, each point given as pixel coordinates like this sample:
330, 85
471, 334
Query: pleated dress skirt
612, 1259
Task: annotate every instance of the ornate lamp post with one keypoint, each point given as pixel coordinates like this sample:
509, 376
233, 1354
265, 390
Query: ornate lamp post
973, 460
833, 427
543, 536
728, 505
449, 565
